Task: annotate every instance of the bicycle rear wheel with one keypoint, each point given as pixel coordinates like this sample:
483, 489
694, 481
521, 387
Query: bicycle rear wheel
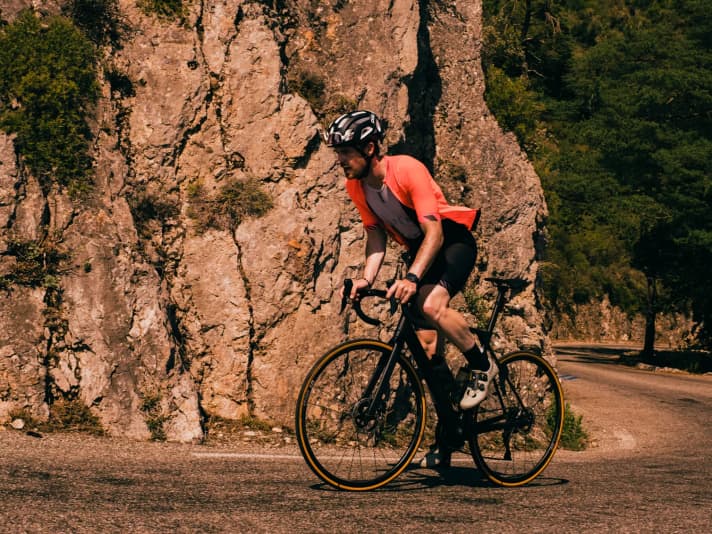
518, 426
344, 445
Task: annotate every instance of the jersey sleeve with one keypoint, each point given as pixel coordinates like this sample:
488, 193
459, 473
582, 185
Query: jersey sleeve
424, 193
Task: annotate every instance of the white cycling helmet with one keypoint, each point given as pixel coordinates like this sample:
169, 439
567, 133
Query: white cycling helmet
354, 129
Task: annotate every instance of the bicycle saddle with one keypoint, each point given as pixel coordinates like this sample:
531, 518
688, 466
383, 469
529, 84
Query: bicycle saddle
515, 284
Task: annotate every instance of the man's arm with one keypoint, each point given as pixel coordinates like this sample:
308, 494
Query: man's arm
375, 252
429, 248
404, 289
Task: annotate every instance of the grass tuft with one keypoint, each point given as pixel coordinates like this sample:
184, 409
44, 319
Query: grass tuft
573, 436
154, 416
65, 415
236, 200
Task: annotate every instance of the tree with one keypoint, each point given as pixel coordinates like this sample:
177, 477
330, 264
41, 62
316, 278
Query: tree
646, 107
47, 86
621, 90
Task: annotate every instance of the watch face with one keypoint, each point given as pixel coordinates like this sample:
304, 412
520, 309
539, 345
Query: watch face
412, 278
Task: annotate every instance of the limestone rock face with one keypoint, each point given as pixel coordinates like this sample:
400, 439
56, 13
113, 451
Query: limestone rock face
151, 319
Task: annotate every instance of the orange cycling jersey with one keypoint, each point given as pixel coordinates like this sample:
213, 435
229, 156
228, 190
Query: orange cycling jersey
414, 187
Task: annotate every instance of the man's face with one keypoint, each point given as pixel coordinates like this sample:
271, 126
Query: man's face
352, 161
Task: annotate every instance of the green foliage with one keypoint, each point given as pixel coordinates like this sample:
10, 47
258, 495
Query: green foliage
312, 87
36, 264
234, 201
31, 422
621, 90
74, 416
146, 208
154, 416
573, 436
220, 429
514, 104
167, 9
254, 423
477, 306
309, 86
65, 415
98, 19
47, 84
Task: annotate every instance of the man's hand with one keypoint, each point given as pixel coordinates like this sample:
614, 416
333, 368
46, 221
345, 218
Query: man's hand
358, 284
402, 290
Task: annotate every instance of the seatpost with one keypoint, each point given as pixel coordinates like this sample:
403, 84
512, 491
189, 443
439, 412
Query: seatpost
499, 303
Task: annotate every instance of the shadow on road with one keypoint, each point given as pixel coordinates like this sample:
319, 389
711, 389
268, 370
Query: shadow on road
692, 361
464, 476
587, 357
418, 479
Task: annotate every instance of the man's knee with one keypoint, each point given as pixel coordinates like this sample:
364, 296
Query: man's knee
433, 303
433, 309
430, 312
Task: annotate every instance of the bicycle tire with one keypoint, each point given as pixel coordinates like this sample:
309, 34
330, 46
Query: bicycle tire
513, 442
338, 449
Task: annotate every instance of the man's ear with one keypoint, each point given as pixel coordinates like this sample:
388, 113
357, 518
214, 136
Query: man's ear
370, 149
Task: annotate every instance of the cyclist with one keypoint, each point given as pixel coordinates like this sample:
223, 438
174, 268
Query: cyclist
397, 196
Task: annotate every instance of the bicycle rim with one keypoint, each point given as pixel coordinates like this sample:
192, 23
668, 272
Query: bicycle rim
518, 426
342, 448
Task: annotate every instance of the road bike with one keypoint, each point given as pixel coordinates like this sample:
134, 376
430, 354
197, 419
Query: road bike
361, 411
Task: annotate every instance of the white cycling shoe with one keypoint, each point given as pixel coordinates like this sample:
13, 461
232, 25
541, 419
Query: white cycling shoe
479, 386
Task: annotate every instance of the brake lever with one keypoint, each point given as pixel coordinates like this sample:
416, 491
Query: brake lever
392, 301
348, 286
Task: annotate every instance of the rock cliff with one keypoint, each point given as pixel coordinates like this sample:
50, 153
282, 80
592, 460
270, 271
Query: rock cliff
155, 315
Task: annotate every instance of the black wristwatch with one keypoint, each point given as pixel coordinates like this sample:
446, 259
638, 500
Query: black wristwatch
412, 277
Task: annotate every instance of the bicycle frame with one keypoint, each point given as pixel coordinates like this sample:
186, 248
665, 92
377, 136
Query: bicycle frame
352, 407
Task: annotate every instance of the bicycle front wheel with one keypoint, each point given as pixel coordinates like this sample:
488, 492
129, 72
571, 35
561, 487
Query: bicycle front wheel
350, 439
518, 426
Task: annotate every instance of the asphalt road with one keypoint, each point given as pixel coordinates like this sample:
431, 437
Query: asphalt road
648, 470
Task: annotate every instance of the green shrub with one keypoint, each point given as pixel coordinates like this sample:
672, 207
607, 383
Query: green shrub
309, 86
98, 19
477, 306
312, 88
573, 435
65, 415
235, 200
153, 416
72, 415
146, 207
219, 429
31, 423
251, 422
47, 84
37, 264
167, 9
515, 106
